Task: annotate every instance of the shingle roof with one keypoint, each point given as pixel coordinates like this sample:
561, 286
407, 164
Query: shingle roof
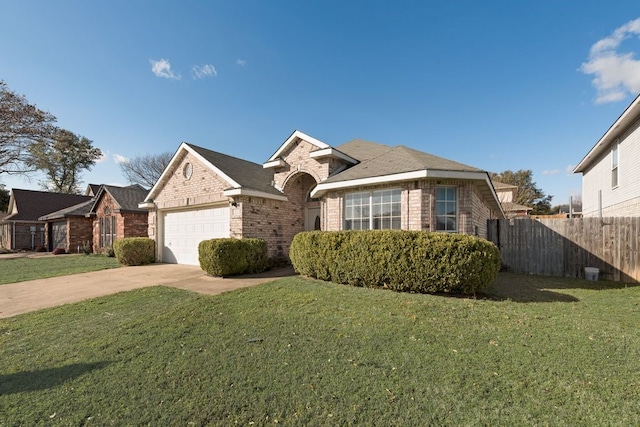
248, 174
127, 198
363, 150
81, 209
393, 160
502, 186
31, 204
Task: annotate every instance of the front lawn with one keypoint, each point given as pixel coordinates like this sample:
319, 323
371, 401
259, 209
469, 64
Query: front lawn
537, 351
20, 269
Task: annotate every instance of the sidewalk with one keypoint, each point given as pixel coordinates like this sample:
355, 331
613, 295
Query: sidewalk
23, 297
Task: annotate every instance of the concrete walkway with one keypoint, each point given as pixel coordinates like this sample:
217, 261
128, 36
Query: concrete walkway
23, 297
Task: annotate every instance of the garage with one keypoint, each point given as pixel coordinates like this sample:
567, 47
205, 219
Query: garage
58, 235
185, 229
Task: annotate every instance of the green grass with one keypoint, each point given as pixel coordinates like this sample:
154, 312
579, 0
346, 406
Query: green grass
20, 269
537, 351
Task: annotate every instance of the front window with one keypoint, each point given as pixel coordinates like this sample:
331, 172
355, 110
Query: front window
614, 164
107, 230
447, 209
373, 210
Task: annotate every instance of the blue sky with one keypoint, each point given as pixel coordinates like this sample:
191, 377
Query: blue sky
497, 85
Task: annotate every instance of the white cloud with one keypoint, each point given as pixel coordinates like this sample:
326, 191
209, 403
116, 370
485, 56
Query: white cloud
162, 68
550, 172
202, 71
241, 62
616, 74
569, 169
104, 157
120, 159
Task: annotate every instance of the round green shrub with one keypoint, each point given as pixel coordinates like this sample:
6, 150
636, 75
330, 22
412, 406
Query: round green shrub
408, 261
228, 256
134, 250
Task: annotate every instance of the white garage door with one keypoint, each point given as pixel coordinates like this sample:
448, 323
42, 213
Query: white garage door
184, 230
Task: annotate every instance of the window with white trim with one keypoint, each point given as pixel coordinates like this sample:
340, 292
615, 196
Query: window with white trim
373, 210
447, 209
614, 164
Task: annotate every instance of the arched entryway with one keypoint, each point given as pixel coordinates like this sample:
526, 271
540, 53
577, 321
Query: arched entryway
307, 210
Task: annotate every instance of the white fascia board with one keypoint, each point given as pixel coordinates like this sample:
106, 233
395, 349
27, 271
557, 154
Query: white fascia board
253, 193
406, 176
629, 116
146, 205
332, 152
171, 166
295, 135
277, 163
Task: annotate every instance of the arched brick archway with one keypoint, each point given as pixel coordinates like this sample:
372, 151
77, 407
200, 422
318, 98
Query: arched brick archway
304, 211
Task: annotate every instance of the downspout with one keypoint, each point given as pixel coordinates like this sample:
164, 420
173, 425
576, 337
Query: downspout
13, 240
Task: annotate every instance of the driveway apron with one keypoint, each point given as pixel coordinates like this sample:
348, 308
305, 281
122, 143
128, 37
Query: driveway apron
24, 297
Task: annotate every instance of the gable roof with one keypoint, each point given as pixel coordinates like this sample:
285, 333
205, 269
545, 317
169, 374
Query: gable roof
92, 189
322, 150
243, 176
30, 205
125, 198
383, 164
630, 115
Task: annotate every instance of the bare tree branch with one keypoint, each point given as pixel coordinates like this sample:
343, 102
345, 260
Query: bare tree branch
146, 169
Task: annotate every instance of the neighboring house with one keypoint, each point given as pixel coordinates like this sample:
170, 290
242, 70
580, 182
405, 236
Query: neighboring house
611, 171
307, 184
112, 213
115, 215
505, 193
22, 227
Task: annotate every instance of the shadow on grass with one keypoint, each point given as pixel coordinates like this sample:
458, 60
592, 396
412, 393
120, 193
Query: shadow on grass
45, 378
523, 288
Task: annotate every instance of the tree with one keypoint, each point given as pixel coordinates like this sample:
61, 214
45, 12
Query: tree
145, 170
528, 193
4, 198
21, 125
63, 159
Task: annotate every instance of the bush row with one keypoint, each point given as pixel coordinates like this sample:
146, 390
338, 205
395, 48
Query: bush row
408, 261
228, 257
134, 250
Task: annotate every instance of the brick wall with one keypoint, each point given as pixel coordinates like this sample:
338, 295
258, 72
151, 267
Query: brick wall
134, 224
79, 231
418, 206
274, 221
204, 187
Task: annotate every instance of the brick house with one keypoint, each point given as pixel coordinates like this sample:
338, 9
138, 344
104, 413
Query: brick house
307, 184
115, 215
506, 193
23, 227
111, 213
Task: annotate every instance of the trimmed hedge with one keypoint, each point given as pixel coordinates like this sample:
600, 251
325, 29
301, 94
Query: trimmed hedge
407, 261
134, 250
229, 257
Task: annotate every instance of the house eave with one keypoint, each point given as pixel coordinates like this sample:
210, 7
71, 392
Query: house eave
331, 152
253, 193
146, 205
480, 177
630, 115
277, 163
297, 135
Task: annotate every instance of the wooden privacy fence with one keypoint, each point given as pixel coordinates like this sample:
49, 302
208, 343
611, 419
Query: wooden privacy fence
564, 247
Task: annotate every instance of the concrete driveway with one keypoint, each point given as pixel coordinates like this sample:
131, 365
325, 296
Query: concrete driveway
23, 297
